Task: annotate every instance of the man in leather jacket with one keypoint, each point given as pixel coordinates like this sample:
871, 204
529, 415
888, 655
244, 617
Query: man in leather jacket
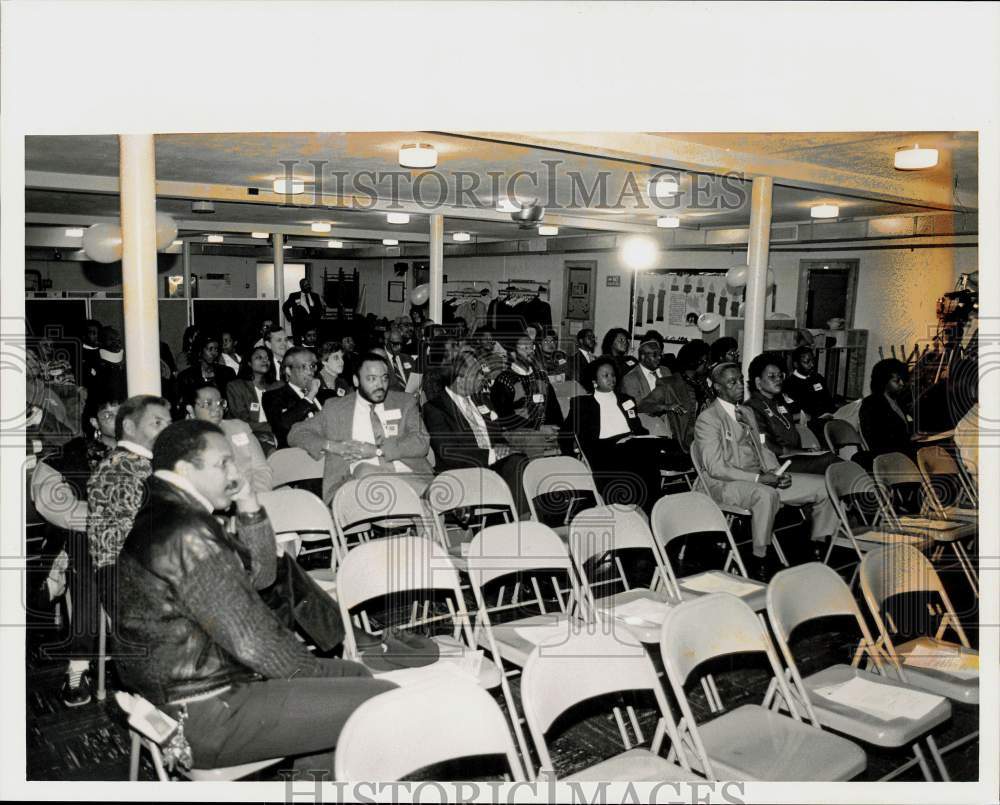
210, 651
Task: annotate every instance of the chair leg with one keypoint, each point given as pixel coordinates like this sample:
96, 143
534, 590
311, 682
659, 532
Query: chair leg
778, 550
102, 654
918, 752
937, 759
133, 762
967, 568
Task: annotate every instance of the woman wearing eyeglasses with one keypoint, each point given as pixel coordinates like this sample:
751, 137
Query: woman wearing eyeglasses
206, 368
206, 403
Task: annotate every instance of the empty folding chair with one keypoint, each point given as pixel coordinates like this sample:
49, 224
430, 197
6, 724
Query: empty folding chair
374, 504
560, 479
297, 514
807, 438
601, 534
864, 705
750, 742
479, 493
676, 516
148, 728
402, 731
565, 392
290, 465
841, 435
853, 493
952, 492
896, 473
930, 663
584, 667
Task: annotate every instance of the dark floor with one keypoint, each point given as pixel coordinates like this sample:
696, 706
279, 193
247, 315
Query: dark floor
92, 742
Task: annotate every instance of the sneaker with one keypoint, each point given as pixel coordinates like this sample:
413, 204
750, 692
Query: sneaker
76, 696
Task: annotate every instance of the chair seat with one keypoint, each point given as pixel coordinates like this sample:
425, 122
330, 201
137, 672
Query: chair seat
646, 630
947, 531
229, 772
962, 514
754, 743
738, 511
326, 578
452, 649
635, 765
756, 600
870, 538
940, 682
860, 724
515, 647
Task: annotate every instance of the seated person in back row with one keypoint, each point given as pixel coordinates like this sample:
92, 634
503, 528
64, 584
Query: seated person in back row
642, 379
681, 397
808, 389
301, 397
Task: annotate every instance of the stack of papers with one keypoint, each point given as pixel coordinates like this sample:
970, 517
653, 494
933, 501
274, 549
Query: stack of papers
543, 632
944, 658
885, 702
719, 583
638, 612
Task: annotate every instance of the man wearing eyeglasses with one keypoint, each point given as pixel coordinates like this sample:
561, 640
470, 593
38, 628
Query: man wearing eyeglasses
300, 398
402, 366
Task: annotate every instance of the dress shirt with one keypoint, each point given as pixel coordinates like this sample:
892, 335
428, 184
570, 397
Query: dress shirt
301, 394
261, 416
471, 413
651, 377
361, 431
231, 362
183, 483
138, 449
612, 419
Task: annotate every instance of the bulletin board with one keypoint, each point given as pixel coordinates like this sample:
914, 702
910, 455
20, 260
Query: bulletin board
670, 301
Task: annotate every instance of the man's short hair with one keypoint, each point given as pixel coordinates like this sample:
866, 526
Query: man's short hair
191, 396
133, 408
294, 352
371, 356
272, 330
583, 332
721, 368
462, 363
801, 350
652, 337
182, 441
723, 345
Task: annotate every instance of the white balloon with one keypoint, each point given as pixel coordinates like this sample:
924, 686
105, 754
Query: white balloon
736, 277
782, 316
102, 243
708, 322
420, 294
166, 231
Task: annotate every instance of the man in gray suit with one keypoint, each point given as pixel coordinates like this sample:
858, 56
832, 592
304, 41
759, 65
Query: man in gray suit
374, 431
741, 471
642, 379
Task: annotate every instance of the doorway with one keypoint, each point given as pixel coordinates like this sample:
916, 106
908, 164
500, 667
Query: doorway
578, 292
827, 290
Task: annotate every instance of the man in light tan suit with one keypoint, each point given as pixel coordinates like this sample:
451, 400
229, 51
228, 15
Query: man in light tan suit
741, 471
643, 378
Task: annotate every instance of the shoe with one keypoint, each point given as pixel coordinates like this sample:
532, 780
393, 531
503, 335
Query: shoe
76, 696
760, 569
819, 549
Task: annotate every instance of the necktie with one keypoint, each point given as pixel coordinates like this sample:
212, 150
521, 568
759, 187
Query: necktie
744, 419
479, 431
378, 432
399, 368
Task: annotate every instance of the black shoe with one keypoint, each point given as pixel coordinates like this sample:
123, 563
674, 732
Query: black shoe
76, 696
760, 569
819, 547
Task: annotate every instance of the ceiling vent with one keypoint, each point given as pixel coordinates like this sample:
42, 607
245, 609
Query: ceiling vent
203, 207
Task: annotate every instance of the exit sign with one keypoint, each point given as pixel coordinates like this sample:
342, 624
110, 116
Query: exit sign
614, 281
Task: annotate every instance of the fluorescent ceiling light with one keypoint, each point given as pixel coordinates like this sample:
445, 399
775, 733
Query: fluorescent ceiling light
259, 235
320, 226
418, 155
915, 158
214, 238
506, 205
663, 187
668, 222
177, 243
824, 211
398, 217
286, 187
287, 246
335, 244
461, 237
390, 242
546, 229
74, 233
639, 253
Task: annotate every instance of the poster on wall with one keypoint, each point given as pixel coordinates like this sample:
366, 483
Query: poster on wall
671, 301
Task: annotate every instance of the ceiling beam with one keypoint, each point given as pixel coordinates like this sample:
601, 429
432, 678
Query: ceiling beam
667, 152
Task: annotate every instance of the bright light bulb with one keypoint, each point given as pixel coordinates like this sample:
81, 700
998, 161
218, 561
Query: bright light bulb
461, 237
398, 217
663, 187
215, 238
668, 222
824, 211
320, 226
289, 187
639, 253
390, 242
259, 235
915, 158
506, 205
335, 244
546, 229
418, 155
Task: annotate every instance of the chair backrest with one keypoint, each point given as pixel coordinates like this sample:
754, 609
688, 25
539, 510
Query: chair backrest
699, 466
523, 546
807, 438
291, 464
847, 484
473, 487
890, 469
585, 665
686, 513
803, 593
556, 475
296, 510
401, 731
841, 433
359, 504
935, 463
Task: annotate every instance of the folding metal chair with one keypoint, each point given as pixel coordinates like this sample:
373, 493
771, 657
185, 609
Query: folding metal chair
385, 502
399, 732
480, 493
808, 592
586, 666
558, 476
293, 464
937, 464
750, 742
565, 392
842, 435
299, 514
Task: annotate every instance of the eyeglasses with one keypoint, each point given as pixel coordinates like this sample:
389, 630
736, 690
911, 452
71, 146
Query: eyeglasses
211, 404
775, 375
303, 366
106, 415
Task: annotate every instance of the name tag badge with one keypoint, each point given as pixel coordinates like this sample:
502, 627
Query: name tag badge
311, 415
628, 405
391, 429
561, 361
781, 410
240, 439
630, 414
407, 365
817, 386
255, 406
762, 439
340, 392
538, 398
392, 413
484, 409
493, 416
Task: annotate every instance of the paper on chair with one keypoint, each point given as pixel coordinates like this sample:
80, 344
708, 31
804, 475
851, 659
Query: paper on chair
641, 609
719, 583
543, 632
933, 525
943, 658
885, 702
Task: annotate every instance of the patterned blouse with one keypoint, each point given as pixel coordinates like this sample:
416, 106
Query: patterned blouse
114, 495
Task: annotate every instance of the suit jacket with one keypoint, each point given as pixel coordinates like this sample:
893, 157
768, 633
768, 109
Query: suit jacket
636, 385
673, 390
241, 399
248, 455
577, 370
297, 314
397, 380
284, 407
452, 438
335, 423
884, 430
584, 420
727, 453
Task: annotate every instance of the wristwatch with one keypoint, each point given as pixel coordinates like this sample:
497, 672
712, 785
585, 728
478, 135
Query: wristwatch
378, 452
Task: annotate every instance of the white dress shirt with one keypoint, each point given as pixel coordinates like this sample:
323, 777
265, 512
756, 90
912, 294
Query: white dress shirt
613, 421
468, 409
651, 377
231, 362
361, 431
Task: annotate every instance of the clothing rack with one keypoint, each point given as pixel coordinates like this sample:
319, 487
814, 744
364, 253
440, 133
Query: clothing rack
530, 287
466, 289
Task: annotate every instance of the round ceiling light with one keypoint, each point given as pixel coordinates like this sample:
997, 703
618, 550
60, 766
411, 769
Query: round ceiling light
915, 158
824, 211
668, 222
546, 229
335, 244
320, 226
418, 155
461, 237
664, 187
639, 253
289, 187
390, 242
398, 217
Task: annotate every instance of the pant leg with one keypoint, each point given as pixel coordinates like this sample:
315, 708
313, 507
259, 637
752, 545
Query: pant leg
811, 489
81, 584
763, 502
812, 465
511, 469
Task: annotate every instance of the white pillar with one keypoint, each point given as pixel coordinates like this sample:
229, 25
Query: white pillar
137, 180
437, 267
279, 273
760, 236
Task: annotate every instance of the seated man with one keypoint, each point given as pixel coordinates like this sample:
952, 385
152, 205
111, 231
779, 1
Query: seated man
680, 398
402, 365
643, 378
808, 389
370, 432
246, 688
464, 431
741, 471
301, 397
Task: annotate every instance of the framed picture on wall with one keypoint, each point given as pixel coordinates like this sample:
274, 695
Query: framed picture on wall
397, 291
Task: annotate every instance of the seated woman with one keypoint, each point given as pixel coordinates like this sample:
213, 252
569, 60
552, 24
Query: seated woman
776, 414
554, 360
524, 400
206, 369
885, 425
624, 459
245, 395
331, 369
615, 346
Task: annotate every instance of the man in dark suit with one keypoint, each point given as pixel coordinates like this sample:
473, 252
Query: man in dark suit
401, 365
586, 344
301, 397
303, 309
464, 433
647, 374
374, 431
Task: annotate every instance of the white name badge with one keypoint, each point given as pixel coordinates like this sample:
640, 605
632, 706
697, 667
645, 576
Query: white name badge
340, 392
391, 429
483, 409
407, 365
561, 361
493, 416
782, 409
240, 439
630, 414
392, 413
817, 386
538, 398
255, 406
628, 405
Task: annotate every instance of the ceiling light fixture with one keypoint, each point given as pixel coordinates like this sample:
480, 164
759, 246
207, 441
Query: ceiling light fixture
320, 226
663, 187
397, 217
335, 244
668, 222
74, 233
214, 239
506, 205
390, 242
259, 235
418, 155
287, 246
288, 187
639, 253
177, 243
915, 158
461, 237
824, 211
546, 229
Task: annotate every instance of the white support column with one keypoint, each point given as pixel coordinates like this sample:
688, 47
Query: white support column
186, 263
279, 273
137, 180
437, 268
760, 236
